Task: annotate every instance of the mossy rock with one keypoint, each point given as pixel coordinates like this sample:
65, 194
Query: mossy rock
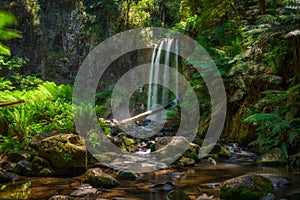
198, 141
274, 157
246, 187
41, 167
66, 153
218, 151
193, 152
97, 178
187, 161
122, 175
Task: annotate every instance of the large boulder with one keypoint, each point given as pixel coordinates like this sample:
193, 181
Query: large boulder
169, 145
274, 157
66, 153
246, 187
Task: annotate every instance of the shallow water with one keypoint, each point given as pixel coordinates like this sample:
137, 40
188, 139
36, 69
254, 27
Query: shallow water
193, 181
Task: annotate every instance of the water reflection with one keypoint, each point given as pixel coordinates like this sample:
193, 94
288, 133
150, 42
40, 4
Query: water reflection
194, 181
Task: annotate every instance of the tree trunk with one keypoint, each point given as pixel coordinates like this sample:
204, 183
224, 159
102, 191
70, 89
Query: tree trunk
148, 113
262, 6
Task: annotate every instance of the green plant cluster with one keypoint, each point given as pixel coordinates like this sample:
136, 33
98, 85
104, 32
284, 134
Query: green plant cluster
46, 108
277, 121
255, 45
7, 19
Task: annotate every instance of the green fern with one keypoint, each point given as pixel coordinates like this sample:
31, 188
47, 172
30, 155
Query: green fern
259, 118
278, 128
7, 19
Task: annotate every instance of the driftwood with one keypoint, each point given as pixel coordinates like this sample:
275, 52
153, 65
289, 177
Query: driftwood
3, 104
149, 112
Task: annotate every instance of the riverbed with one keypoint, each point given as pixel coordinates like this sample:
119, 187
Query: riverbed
194, 181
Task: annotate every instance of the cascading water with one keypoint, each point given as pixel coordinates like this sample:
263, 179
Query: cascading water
161, 95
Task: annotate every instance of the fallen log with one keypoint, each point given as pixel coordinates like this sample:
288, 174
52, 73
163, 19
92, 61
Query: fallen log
3, 104
148, 113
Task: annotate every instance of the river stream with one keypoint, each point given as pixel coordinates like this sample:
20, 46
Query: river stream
194, 181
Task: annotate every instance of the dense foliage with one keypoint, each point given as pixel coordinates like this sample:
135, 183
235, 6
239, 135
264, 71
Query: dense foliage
46, 107
254, 43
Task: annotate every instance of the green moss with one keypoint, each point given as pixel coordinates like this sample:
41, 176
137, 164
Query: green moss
219, 151
99, 182
241, 193
248, 187
45, 172
273, 162
215, 156
97, 178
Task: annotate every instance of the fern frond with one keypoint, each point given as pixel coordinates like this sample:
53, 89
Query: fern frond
261, 117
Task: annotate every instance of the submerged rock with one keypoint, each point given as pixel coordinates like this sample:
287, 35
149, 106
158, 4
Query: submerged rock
205, 197
66, 153
176, 175
274, 157
246, 187
123, 175
167, 186
177, 195
62, 197
269, 196
7, 177
277, 181
210, 185
85, 191
97, 178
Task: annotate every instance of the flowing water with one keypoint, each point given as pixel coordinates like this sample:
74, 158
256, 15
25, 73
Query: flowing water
158, 95
194, 181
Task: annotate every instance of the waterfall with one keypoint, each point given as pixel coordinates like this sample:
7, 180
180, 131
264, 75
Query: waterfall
161, 95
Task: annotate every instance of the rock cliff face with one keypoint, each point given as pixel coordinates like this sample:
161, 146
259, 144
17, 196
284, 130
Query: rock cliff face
55, 42
53, 38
